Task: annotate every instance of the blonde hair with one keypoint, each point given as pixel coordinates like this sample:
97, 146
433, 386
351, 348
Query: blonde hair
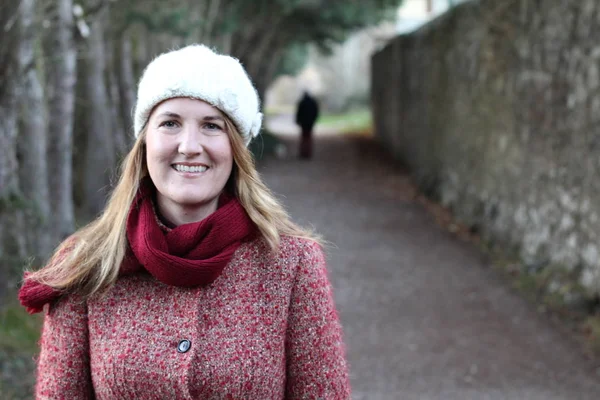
88, 262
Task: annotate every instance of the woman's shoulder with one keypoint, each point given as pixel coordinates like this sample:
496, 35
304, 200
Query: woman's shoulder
306, 260
300, 245
66, 305
289, 247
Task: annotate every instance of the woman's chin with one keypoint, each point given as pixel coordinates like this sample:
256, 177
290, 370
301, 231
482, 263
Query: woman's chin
194, 201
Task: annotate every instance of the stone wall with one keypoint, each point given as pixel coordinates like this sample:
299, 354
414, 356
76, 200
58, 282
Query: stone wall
495, 108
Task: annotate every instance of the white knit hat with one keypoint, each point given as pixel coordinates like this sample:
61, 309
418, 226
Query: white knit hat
198, 72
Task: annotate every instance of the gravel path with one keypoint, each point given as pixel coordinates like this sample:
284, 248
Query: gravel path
424, 316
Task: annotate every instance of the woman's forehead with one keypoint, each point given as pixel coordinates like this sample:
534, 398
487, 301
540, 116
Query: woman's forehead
186, 105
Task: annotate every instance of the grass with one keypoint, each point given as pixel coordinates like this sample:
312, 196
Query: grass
352, 121
19, 331
280, 109
359, 120
19, 335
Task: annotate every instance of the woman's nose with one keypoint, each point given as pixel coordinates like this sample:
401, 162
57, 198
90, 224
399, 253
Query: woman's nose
191, 141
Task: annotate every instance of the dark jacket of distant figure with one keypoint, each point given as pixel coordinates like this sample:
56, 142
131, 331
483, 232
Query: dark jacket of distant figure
307, 112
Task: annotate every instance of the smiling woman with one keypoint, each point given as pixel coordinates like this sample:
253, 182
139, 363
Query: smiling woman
189, 158
193, 283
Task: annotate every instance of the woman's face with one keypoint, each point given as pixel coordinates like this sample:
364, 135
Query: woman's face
189, 158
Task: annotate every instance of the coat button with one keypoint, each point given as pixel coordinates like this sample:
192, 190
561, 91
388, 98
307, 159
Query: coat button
184, 345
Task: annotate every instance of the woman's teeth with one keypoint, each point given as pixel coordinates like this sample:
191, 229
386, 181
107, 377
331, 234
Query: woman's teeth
186, 168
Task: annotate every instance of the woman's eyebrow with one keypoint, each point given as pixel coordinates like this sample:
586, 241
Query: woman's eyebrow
213, 118
169, 114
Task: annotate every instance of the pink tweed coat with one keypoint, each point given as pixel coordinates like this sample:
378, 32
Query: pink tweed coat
267, 328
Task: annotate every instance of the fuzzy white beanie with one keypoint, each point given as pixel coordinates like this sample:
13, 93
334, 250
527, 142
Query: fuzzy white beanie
198, 72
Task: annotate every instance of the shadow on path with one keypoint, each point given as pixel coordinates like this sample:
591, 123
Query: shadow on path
424, 316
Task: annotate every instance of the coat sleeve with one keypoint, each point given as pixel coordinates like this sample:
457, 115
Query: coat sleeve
63, 368
315, 352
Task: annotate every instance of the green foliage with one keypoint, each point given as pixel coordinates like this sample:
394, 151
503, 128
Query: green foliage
322, 22
19, 331
294, 59
352, 121
245, 28
319, 22
329, 22
175, 21
13, 200
19, 335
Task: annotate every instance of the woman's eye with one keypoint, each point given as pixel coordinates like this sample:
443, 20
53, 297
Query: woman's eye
211, 126
168, 124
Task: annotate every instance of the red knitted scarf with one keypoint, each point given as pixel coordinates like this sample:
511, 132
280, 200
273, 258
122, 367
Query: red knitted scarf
189, 255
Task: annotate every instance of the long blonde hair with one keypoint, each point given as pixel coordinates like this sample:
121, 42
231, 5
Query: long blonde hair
88, 262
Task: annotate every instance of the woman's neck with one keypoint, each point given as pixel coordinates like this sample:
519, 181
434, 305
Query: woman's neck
173, 215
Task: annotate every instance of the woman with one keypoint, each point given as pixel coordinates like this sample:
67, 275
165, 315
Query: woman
193, 283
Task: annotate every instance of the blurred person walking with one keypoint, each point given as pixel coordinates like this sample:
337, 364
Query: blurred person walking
307, 114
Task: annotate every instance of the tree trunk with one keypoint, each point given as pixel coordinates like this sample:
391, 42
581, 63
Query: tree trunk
271, 68
61, 68
262, 29
118, 124
261, 64
154, 44
33, 169
226, 43
210, 17
142, 49
126, 84
12, 239
100, 148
